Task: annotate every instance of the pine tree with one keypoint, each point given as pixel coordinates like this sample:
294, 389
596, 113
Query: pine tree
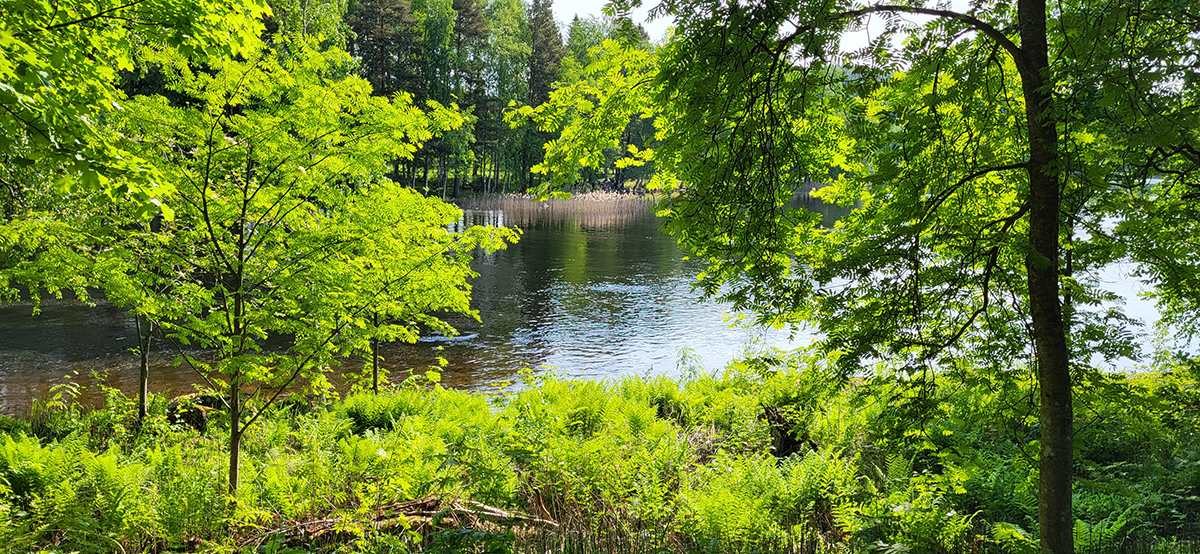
470, 39
385, 38
505, 78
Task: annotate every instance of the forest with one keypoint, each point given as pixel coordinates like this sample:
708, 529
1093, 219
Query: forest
264, 186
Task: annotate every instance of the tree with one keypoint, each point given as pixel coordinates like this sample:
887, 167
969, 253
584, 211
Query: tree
546, 51
506, 60
320, 22
284, 226
385, 38
57, 241
585, 43
58, 74
470, 39
972, 160
126, 261
591, 116
582, 36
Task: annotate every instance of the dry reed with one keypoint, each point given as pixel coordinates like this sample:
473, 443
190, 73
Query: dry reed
593, 210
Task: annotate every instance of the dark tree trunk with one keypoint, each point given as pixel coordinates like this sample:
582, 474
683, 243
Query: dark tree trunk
375, 357
528, 176
235, 433
427, 174
145, 336
1055, 519
487, 173
442, 175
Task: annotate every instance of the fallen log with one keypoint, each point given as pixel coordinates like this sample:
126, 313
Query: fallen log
424, 516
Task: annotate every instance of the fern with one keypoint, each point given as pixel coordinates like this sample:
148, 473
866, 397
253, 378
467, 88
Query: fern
1013, 539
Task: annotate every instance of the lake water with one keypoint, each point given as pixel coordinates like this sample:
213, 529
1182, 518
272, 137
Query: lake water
593, 289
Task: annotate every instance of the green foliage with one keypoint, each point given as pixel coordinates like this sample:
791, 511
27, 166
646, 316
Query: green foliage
55, 416
668, 464
993, 162
585, 112
452, 541
583, 36
914, 515
58, 73
1014, 539
283, 223
546, 50
382, 411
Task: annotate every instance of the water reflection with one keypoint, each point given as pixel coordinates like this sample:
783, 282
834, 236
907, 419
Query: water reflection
593, 288
69, 338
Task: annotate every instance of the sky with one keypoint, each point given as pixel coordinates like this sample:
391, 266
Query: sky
566, 10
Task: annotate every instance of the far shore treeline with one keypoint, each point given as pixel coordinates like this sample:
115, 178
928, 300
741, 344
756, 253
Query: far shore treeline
229, 171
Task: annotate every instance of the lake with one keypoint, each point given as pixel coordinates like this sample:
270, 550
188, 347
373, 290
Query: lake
593, 289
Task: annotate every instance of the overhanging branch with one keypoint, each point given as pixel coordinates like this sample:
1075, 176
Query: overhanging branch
1018, 55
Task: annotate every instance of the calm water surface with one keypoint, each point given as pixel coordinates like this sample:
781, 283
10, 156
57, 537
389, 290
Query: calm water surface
593, 289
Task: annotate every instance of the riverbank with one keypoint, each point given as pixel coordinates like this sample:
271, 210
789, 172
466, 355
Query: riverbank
769, 456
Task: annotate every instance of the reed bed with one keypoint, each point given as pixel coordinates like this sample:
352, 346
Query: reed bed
592, 210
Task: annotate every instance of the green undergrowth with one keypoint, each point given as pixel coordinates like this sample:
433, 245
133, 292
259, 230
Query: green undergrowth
772, 455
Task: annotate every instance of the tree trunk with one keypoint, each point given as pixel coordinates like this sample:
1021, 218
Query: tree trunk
496, 161
375, 356
145, 335
427, 174
442, 175
486, 183
235, 433
1055, 519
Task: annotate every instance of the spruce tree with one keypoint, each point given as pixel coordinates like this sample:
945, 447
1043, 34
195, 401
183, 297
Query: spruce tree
546, 51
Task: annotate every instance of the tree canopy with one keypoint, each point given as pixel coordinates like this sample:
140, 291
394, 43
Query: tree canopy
58, 75
282, 247
995, 158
